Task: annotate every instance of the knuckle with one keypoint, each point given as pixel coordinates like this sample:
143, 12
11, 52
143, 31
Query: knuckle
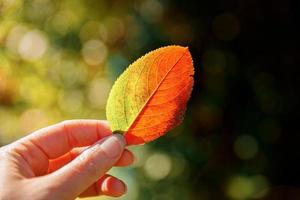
3, 148
65, 122
6, 151
92, 168
50, 190
88, 162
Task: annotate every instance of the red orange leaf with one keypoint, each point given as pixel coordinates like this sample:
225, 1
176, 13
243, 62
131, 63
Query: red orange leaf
150, 97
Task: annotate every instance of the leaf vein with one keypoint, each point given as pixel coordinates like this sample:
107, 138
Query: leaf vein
155, 90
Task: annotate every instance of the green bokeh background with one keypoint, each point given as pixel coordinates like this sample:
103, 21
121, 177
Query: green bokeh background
59, 59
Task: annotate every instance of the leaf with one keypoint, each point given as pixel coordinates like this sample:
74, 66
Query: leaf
150, 97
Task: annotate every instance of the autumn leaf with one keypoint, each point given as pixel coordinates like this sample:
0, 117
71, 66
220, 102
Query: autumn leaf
150, 97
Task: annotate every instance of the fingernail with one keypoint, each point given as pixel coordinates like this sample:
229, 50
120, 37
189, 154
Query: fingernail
125, 186
113, 145
110, 184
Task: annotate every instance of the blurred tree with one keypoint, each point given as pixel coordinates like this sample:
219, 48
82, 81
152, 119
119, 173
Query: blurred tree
59, 58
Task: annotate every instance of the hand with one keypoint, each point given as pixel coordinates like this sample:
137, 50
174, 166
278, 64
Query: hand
63, 161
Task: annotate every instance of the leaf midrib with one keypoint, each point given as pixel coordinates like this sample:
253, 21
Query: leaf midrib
154, 91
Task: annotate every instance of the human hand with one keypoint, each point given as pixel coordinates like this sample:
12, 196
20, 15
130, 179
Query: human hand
63, 161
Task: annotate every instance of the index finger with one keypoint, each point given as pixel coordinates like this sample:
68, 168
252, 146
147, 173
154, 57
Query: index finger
58, 139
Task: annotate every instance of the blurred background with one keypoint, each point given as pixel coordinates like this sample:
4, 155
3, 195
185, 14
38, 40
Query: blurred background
240, 137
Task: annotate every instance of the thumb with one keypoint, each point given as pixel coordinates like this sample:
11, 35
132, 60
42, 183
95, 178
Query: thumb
75, 177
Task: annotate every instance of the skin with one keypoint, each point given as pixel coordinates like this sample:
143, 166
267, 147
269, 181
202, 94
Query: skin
64, 161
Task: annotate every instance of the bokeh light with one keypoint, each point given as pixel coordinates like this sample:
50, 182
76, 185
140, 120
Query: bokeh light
32, 45
245, 147
247, 187
94, 52
158, 166
226, 26
151, 10
240, 188
59, 59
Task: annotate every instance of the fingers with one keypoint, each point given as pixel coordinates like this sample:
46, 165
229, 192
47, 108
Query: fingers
88, 167
56, 140
57, 163
107, 185
127, 158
